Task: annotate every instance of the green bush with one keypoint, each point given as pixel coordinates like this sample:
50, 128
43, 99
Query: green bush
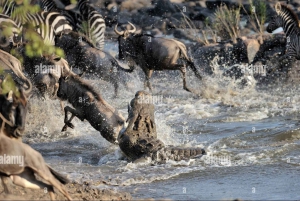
35, 45
227, 22
257, 16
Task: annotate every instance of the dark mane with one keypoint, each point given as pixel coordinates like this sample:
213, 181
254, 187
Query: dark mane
86, 86
285, 8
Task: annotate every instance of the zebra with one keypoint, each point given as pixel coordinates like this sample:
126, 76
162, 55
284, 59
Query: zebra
288, 20
50, 6
83, 16
11, 33
7, 6
47, 24
95, 24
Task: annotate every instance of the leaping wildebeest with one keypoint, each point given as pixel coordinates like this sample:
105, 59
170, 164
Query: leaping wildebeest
89, 105
153, 53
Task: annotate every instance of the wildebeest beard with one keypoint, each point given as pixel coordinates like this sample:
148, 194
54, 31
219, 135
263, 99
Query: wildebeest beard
127, 50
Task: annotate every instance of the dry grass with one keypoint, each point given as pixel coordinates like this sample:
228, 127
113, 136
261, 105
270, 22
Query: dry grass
187, 23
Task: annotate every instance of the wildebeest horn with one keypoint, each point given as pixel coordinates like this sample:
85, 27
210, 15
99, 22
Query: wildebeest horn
120, 33
29, 89
132, 30
10, 96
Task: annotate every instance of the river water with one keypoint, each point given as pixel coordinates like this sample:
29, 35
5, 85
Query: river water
251, 136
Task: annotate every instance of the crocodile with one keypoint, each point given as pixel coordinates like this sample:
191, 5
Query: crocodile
139, 139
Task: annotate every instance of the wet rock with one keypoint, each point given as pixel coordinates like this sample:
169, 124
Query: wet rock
124, 17
177, 1
134, 5
252, 48
201, 14
187, 34
145, 20
213, 4
163, 8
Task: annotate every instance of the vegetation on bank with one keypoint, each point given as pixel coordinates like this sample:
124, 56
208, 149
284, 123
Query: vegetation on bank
227, 22
34, 44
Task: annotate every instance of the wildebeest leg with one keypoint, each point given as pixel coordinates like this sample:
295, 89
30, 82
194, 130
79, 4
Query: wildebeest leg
4, 184
27, 180
116, 85
183, 71
61, 105
74, 113
147, 83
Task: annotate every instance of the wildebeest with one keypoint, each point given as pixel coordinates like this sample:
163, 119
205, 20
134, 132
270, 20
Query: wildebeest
43, 70
82, 55
89, 105
29, 162
16, 104
152, 53
13, 106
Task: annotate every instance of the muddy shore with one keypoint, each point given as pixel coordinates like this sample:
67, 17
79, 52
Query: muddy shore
75, 190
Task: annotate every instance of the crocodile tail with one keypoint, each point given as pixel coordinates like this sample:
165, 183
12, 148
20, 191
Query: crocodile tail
177, 154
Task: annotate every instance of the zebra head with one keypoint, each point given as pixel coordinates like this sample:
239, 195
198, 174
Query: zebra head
276, 20
284, 18
274, 24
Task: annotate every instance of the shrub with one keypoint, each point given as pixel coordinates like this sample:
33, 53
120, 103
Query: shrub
227, 22
257, 16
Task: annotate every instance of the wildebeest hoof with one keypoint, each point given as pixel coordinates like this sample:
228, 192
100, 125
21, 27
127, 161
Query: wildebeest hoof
64, 128
69, 124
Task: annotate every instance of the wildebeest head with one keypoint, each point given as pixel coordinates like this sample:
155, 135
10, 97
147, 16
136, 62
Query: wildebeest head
13, 109
126, 43
48, 75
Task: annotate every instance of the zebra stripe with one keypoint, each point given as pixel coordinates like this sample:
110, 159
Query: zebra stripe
47, 5
288, 20
50, 6
7, 6
47, 24
95, 23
